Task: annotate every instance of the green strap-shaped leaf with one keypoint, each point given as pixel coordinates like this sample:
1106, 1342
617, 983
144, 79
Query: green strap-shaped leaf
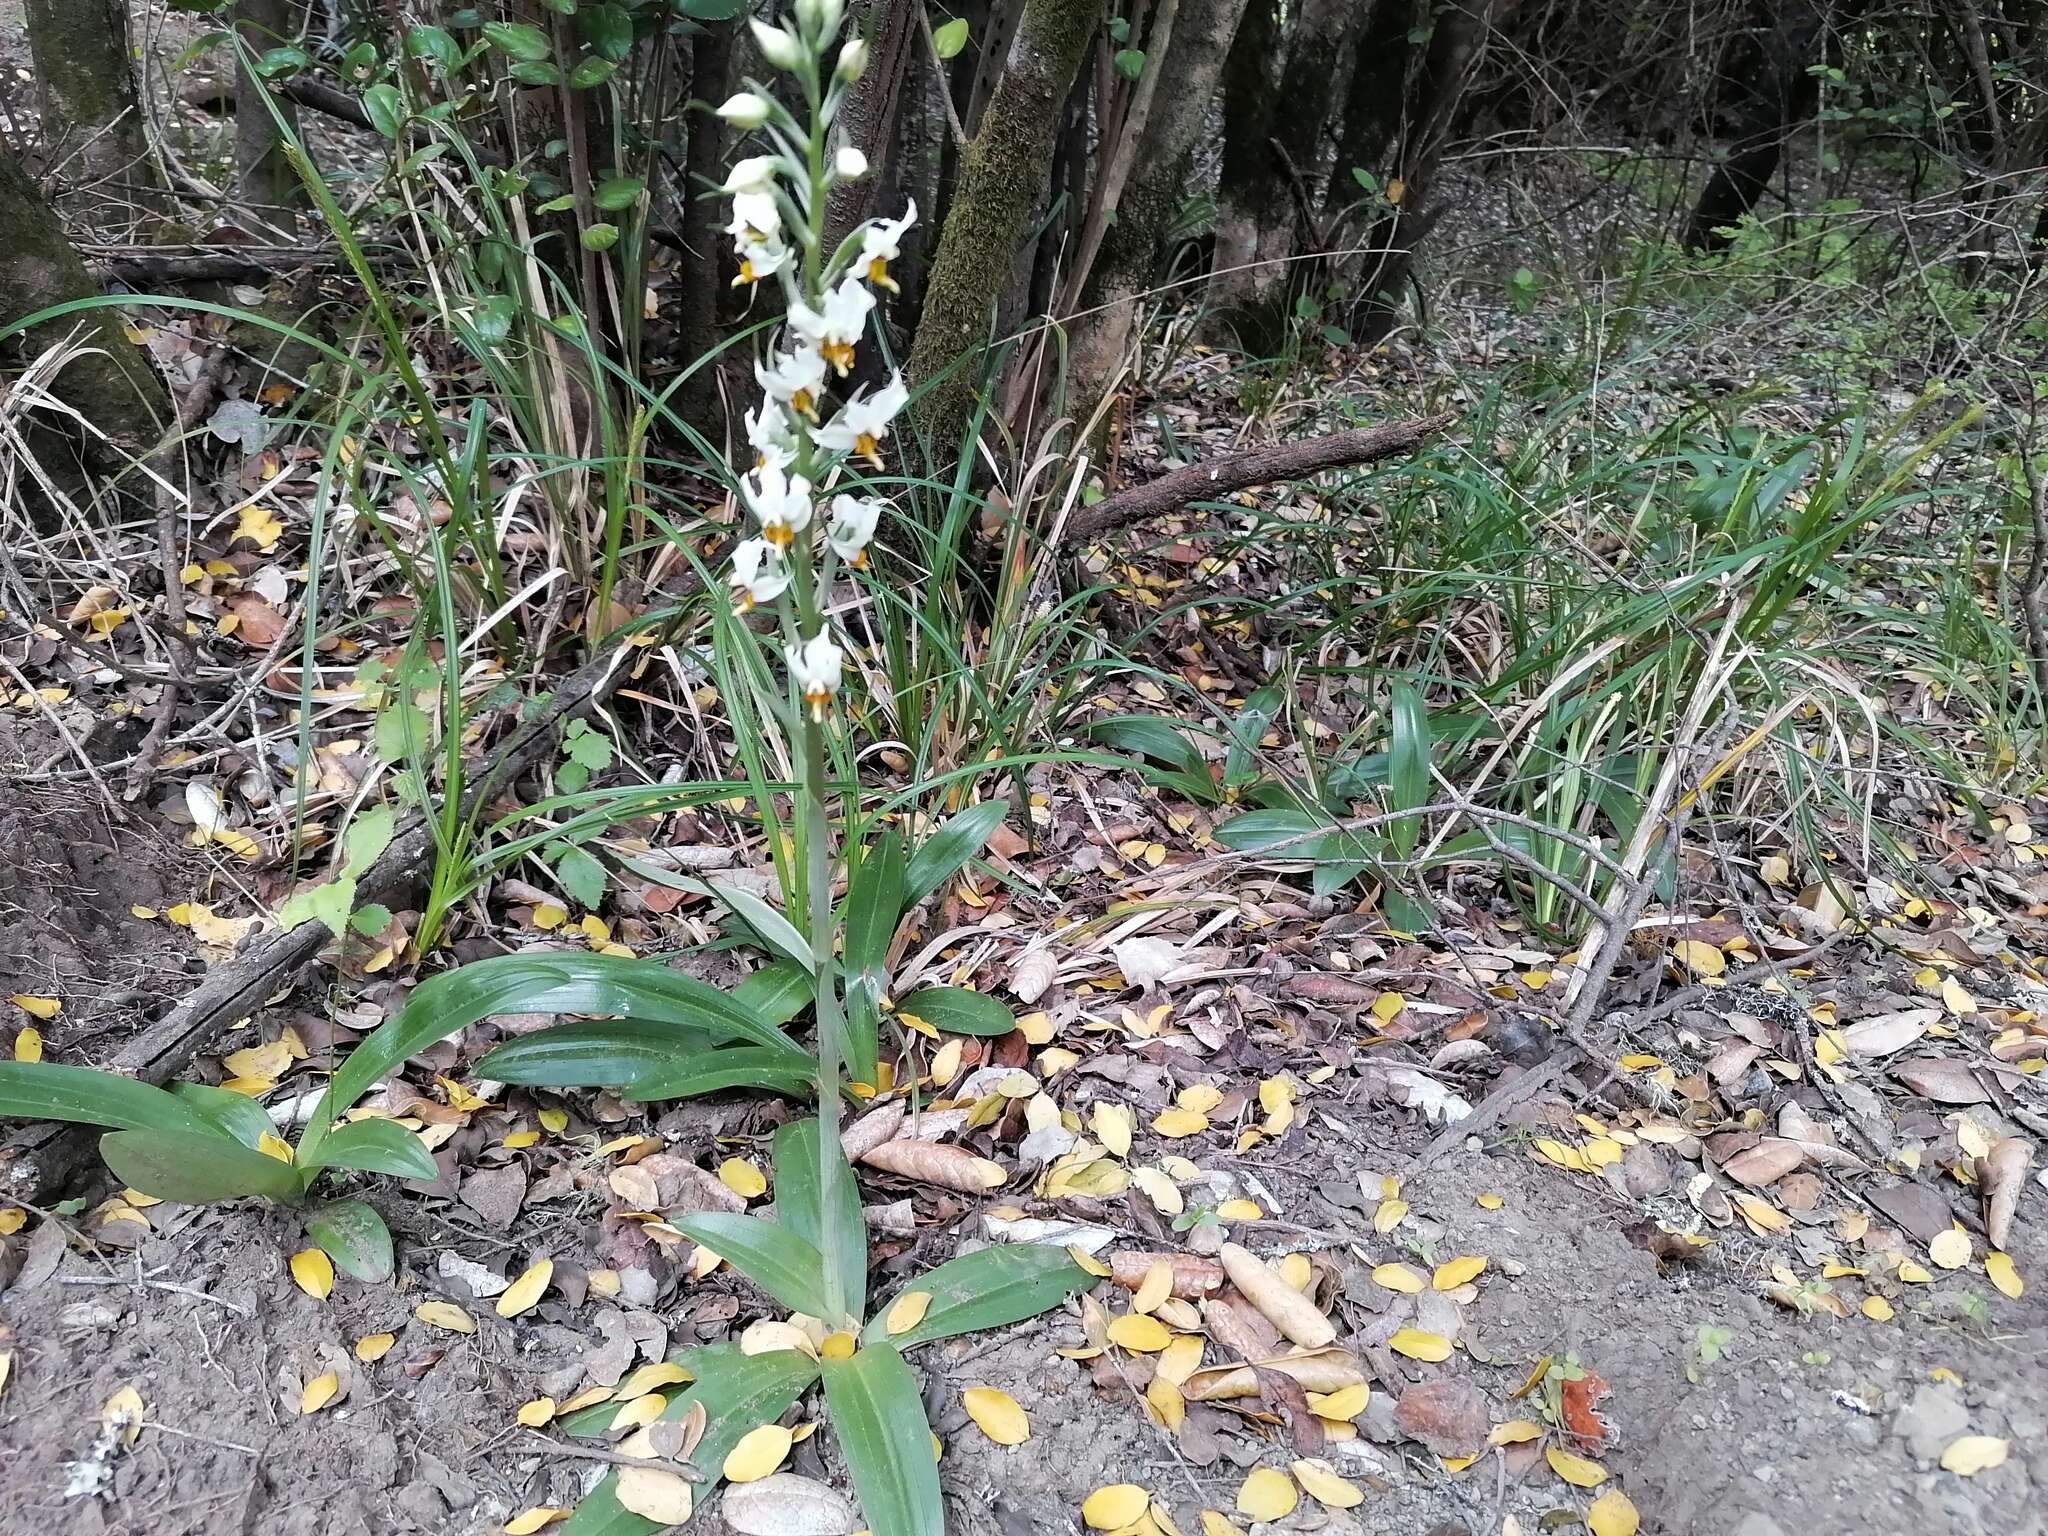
989, 1288
236, 1113
958, 1011
355, 1237
375, 1146
878, 1415
739, 1392
958, 839
42, 1090
778, 992
786, 1266
874, 904
554, 982
830, 1218
197, 1167
599, 1053
1262, 829
739, 1066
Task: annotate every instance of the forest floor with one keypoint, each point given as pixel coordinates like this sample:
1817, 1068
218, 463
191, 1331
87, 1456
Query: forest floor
1738, 1257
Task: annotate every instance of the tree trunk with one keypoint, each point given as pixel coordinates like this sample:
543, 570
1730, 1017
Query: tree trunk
113, 384
699, 282
1002, 176
1249, 104
265, 183
1371, 118
1776, 94
1101, 336
1456, 44
91, 119
867, 117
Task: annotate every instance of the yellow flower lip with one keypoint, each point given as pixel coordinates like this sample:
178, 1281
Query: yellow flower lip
781, 535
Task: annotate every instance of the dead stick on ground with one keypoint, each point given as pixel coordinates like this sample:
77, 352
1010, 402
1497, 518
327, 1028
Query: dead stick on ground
45, 1154
169, 455
1262, 466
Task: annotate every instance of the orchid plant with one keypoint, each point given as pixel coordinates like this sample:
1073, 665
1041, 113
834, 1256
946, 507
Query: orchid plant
653, 1033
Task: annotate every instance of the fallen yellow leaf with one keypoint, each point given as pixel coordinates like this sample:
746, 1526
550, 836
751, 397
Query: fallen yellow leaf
28, 1043
998, 1414
759, 1452
319, 1392
527, 1290
536, 1413
372, 1347
1268, 1494
654, 1494
1950, 1249
2004, 1274
445, 1314
314, 1272
1397, 1277
1462, 1270
44, 1008
906, 1312
1113, 1507
1139, 1334
1576, 1470
1612, 1514
529, 1521
1325, 1486
1417, 1345
742, 1178
1971, 1454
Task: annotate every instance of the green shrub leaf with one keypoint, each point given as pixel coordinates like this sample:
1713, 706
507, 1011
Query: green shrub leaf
878, 1414
196, 1168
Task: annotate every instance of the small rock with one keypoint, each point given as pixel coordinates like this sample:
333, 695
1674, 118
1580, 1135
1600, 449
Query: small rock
1448, 1416
421, 1506
1933, 1418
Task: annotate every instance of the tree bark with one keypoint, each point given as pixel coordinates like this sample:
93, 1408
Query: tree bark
265, 183
699, 286
1775, 95
1371, 117
1456, 45
1002, 176
867, 117
1249, 103
91, 118
112, 384
1101, 335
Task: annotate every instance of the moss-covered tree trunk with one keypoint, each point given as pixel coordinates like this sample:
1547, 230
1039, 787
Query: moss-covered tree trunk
1002, 177
111, 382
1202, 36
91, 120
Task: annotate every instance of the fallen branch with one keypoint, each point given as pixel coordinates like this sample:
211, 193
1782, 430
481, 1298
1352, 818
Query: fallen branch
1262, 466
46, 1155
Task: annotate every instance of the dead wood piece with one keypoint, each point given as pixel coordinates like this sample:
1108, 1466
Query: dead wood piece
1261, 466
45, 1156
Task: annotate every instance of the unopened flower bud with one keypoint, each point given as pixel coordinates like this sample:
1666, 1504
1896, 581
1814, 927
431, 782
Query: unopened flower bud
849, 164
853, 61
778, 47
745, 110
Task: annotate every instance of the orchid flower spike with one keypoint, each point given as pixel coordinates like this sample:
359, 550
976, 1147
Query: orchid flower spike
816, 666
794, 380
881, 243
863, 423
852, 527
758, 574
781, 503
837, 331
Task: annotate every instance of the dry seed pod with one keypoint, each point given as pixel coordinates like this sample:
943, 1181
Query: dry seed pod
1193, 1277
1285, 1307
1317, 1370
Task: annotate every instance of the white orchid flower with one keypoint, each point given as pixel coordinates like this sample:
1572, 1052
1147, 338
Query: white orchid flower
794, 380
758, 574
863, 423
816, 666
756, 220
771, 437
852, 526
763, 259
849, 164
881, 243
746, 110
781, 503
837, 331
756, 173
